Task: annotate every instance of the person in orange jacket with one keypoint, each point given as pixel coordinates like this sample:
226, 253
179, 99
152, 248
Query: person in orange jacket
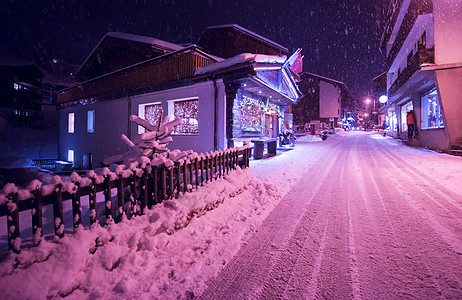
410, 121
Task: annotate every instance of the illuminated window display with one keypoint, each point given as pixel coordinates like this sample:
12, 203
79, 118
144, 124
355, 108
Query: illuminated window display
432, 116
188, 110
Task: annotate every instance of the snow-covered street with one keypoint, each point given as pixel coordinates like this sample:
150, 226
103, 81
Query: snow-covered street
356, 216
370, 219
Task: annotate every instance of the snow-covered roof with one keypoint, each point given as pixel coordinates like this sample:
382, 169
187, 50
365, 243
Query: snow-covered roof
249, 32
132, 37
239, 59
144, 39
325, 78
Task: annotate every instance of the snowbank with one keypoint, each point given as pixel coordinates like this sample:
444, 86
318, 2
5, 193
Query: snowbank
107, 262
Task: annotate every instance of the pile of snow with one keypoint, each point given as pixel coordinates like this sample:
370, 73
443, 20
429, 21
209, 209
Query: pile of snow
309, 138
240, 59
109, 262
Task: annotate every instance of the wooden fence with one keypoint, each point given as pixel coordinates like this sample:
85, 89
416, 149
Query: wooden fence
152, 186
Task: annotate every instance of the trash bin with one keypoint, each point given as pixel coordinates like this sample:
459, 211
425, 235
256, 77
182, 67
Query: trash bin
312, 129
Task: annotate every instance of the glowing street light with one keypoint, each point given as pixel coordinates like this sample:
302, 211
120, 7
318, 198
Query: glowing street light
368, 100
383, 99
366, 115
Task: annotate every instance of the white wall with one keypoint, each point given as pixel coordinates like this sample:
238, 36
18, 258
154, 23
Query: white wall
448, 31
329, 102
111, 121
204, 140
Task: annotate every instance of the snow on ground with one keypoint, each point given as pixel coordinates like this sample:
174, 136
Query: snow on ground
138, 258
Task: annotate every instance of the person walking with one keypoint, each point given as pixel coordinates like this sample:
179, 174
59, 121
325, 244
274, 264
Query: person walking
410, 124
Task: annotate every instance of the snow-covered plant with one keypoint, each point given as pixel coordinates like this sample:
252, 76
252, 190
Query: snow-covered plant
151, 146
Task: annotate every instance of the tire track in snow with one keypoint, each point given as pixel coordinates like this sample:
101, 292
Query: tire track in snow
420, 272
246, 273
297, 272
431, 204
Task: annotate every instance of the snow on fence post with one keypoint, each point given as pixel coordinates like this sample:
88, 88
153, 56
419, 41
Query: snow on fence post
143, 191
75, 198
58, 207
107, 186
36, 211
120, 195
12, 217
92, 197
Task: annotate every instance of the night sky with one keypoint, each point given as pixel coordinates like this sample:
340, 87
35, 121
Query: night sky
340, 39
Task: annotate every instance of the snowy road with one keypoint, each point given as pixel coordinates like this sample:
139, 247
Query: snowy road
368, 220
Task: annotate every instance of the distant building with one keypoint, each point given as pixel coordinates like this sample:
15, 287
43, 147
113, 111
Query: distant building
422, 42
28, 115
222, 100
325, 100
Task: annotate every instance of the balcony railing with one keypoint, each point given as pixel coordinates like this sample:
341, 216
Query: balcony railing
423, 56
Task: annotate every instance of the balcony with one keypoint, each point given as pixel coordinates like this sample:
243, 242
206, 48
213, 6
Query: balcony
423, 56
415, 9
392, 16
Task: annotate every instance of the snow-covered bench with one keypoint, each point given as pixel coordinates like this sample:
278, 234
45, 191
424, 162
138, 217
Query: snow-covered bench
259, 147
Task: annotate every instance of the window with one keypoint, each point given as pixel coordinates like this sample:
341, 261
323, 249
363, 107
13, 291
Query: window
70, 155
91, 121
188, 110
151, 112
16, 86
70, 122
432, 115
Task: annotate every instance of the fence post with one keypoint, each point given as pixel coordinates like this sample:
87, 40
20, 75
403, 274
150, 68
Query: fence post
149, 187
170, 183
92, 201
133, 207
107, 197
37, 225
207, 160
191, 173
178, 179
76, 212
120, 195
58, 210
143, 191
185, 181
163, 179
14, 240
220, 158
202, 170
155, 179
197, 172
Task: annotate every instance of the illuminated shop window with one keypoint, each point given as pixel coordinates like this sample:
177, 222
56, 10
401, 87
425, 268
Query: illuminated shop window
188, 111
70, 122
91, 121
251, 117
151, 112
432, 115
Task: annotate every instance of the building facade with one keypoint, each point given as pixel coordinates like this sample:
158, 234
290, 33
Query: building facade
422, 41
326, 101
222, 101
